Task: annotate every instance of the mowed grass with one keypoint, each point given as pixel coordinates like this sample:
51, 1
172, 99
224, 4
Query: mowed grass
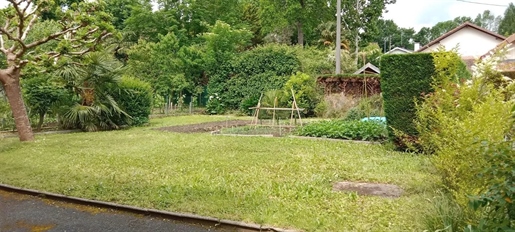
283, 182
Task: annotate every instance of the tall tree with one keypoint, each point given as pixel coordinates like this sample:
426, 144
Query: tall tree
361, 17
302, 15
507, 25
390, 36
488, 21
426, 35
76, 29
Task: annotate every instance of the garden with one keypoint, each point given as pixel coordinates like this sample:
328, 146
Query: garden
138, 117
284, 182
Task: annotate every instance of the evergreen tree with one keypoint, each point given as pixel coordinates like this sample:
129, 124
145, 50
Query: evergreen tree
507, 25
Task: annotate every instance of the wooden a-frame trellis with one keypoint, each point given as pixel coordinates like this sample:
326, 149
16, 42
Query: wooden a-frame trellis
294, 108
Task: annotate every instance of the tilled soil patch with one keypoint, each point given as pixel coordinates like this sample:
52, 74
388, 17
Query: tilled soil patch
205, 127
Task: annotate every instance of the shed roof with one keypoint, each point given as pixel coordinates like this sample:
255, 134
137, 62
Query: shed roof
368, 68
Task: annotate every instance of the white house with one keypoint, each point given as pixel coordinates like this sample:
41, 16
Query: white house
471, 40
398, 50
507, 66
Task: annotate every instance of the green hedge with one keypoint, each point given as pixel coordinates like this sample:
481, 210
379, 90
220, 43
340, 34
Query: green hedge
404, 78
135, 98
246, 76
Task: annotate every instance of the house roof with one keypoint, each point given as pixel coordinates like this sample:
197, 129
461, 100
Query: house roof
368, 67
509, 40
399, 49
451, 32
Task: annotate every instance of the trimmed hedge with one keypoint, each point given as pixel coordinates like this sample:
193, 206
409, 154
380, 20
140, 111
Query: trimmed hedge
404, 79
134, 96
245, 77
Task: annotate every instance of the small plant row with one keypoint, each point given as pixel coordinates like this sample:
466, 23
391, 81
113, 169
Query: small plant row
342, 129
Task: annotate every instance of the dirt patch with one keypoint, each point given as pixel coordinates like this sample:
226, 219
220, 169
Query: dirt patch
369, 189
205, 127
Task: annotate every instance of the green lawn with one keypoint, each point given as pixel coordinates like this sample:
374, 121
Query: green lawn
282, 182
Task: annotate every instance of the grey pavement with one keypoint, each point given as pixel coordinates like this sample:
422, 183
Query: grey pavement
20, 213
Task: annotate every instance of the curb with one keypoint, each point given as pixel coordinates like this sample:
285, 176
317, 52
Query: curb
182, 217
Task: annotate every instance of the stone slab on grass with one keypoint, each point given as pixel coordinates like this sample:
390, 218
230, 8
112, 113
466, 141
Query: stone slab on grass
369, 189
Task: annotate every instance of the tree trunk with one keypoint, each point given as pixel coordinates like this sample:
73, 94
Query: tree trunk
300, 34
11, 83
356, 52
41, 119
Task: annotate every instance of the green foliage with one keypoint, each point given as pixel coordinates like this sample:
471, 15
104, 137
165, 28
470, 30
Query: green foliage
300, 16
404, 79
252, 73
453, 124
426, 34
497, 200
305, 91
367, 107
247, 103
444, 215
42, 95
507, 24
223, 41
343, 129
134, 97
215, 105
91, 81
164, 64
6, 116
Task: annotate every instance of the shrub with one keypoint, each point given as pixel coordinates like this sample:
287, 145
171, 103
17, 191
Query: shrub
6, 116
41, 95
306, 92
215, 105
404, 79
367, 107
135, 98
497, 200
346, 106
454, 121
341, 129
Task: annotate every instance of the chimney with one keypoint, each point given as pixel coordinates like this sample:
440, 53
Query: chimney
417, 46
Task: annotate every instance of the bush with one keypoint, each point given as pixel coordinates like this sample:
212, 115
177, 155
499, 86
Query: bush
42, 96
341, 129
215, 105
497, 200
6, 116
306, 92
454, 122
367, 107
404, 79
134, 96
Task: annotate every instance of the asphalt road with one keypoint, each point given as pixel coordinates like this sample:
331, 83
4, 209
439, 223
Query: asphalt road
20, 213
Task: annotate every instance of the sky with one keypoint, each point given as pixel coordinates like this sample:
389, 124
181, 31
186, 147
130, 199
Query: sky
426, 13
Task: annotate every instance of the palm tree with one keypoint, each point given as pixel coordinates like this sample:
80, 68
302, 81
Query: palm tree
327, 32
91, 81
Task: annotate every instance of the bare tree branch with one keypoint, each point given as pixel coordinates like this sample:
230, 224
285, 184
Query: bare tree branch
29, 2
21, 23
29, 26
2, 45
51, 37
